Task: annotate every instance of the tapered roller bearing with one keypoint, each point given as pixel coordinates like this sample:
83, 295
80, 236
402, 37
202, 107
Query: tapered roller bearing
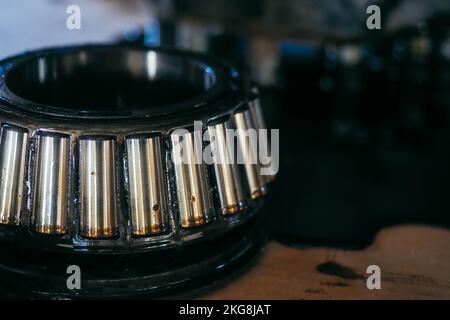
88, 175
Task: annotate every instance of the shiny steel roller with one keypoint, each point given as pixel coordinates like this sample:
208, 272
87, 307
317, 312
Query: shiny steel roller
232, 197
256, 110
244, 121
147, 187
51, 184
98, 193
260, 124
13, 146
194, 198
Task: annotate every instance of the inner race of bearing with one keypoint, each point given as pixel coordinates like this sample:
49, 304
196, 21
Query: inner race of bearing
109, 82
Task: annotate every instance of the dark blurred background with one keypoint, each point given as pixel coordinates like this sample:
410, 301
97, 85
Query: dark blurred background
363, 114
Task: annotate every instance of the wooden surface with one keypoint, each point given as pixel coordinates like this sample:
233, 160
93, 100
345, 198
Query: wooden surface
414, 262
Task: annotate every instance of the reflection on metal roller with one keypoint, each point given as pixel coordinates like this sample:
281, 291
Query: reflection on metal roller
98, 208
232, 198
147, 193
194, 199
256, 110
260, 123
51, 184
256, 182
13, 146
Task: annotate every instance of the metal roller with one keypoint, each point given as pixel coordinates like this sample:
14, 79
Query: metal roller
147, 191
98, 207
260, 123
194, 199
13, 146
256, 182
256, 110
51, 184
232, 198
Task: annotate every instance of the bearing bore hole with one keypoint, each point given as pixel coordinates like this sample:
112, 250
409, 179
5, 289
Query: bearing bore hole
111, 81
